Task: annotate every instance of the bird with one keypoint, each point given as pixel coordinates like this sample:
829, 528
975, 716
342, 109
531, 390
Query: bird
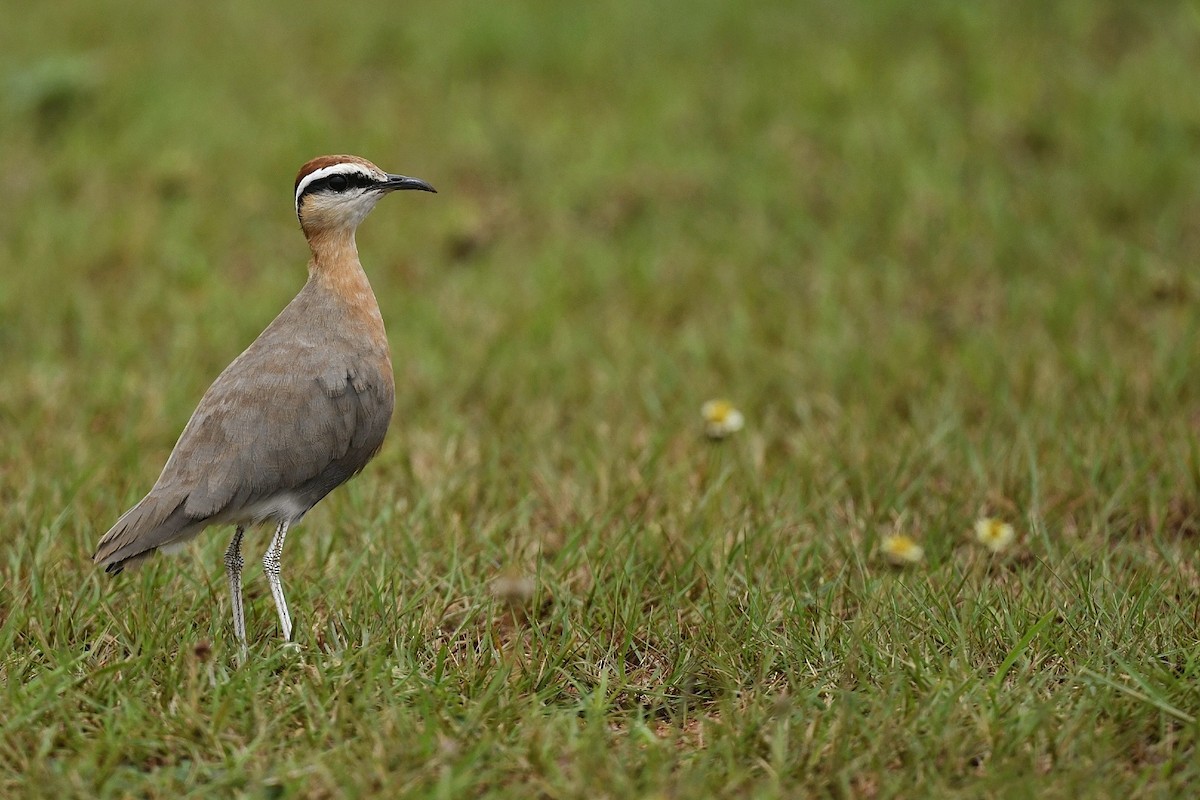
297, 414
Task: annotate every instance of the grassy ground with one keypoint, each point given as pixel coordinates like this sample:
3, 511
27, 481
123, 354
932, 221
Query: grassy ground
943, 258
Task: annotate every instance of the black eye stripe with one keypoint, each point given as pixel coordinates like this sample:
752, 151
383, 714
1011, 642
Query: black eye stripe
354, 180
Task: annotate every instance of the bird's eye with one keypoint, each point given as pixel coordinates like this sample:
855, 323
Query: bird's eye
338, 183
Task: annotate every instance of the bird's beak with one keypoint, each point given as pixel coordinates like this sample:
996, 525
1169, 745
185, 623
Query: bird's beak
395, 183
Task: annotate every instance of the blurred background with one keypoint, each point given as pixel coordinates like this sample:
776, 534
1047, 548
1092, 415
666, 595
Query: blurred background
963, 238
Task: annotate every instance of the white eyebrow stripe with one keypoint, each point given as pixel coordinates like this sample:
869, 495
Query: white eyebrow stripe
345, 168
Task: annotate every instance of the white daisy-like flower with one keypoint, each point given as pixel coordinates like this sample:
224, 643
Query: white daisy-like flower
994, 534
721, 419
901, 550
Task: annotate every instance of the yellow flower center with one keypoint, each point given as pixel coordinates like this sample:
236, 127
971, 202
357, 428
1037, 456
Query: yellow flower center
718, 410
995, 534
901, 549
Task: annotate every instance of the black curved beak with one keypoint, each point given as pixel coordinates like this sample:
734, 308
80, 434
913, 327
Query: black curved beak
395, 183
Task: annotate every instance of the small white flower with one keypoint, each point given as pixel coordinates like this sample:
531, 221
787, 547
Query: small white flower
721, 419
901, 550
994, 534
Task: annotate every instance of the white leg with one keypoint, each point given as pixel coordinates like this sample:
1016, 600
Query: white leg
271, 562
233, 569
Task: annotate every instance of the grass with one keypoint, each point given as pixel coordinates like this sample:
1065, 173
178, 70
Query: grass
943, 259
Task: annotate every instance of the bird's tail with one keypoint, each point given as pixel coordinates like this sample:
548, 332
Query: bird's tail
140, 531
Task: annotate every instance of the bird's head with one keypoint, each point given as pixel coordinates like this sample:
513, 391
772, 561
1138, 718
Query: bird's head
337, 192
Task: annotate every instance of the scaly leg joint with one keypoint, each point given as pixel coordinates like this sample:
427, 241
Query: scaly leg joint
233, 569
271, 566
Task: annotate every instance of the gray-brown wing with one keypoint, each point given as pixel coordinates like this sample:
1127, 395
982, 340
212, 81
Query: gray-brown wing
271, 429
281, 417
